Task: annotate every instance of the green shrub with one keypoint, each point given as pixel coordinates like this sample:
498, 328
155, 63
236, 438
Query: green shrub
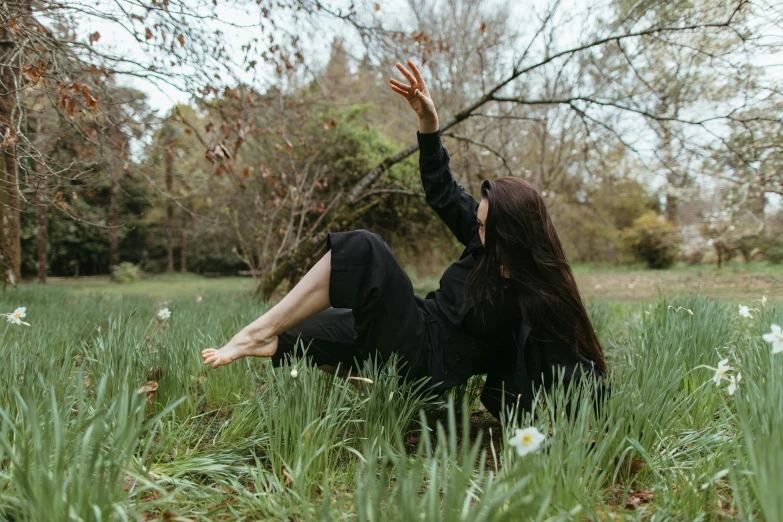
126, 272
774, 253
653, 240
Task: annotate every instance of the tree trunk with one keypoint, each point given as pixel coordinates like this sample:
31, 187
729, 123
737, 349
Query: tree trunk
42, 199
12, 248
114, 218
43, 224
170, 207
11, 244
183, 254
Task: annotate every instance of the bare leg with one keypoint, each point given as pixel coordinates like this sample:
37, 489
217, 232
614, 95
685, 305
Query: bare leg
259, 338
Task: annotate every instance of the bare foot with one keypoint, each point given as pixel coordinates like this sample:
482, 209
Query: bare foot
241, 345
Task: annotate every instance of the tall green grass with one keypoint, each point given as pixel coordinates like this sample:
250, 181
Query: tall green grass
249, 441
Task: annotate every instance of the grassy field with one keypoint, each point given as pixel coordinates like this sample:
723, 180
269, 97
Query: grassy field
108, 414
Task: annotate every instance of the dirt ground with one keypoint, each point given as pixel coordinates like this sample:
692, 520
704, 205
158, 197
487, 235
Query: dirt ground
735, 283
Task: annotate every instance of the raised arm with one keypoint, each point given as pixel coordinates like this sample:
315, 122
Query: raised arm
455, 206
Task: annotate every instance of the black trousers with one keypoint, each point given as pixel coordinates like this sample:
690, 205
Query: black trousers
374, 311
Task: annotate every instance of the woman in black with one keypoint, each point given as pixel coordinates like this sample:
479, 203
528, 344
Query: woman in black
508, 308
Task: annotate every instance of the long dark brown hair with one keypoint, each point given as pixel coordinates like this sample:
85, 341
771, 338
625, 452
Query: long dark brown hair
521, 243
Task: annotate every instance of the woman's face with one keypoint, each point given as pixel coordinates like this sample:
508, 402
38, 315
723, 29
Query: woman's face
483, 209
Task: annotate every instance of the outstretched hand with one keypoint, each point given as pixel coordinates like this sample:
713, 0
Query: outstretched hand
418, 96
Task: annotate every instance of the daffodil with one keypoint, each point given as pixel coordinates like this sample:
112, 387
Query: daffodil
776, 338
744, 311
733, 383
763, 300
527, 440
294, 373
17, 315
720, 371
164, 314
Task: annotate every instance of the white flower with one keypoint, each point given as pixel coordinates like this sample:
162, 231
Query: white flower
744, 311
776, 338
294, 373
733, 383
527, 440
199, 299
17, 315
763, 300
164, 314
720, 372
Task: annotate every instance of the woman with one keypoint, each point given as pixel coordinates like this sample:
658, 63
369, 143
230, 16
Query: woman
509, 308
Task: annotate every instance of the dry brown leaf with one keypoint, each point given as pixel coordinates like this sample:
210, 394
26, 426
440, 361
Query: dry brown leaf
288, 480
91, 102
33, 73
94, 37
637, 498
147, 33
150, 388
181, 40
483, 27
14, 27
9, 137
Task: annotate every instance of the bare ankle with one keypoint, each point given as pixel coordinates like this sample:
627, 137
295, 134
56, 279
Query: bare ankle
260, 333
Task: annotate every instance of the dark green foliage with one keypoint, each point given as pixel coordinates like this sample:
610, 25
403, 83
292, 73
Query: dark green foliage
78, 240
654, 241
774, 253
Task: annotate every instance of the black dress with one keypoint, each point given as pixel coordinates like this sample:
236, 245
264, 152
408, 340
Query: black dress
376, 312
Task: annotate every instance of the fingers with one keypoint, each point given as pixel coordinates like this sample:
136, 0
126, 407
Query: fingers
416, 72
400, 85
405, 72
399, 88
399, 91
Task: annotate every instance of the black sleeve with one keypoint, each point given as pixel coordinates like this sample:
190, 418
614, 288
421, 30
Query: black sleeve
500, 397
455, 206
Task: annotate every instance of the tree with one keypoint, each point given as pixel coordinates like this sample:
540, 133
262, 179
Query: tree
606, 93
176, 42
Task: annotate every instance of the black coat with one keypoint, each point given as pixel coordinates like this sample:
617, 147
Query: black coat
518, 370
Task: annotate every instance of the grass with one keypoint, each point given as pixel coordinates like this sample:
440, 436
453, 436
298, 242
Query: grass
250, 442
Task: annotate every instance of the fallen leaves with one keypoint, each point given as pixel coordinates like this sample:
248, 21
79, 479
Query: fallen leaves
637, 498
149, 388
